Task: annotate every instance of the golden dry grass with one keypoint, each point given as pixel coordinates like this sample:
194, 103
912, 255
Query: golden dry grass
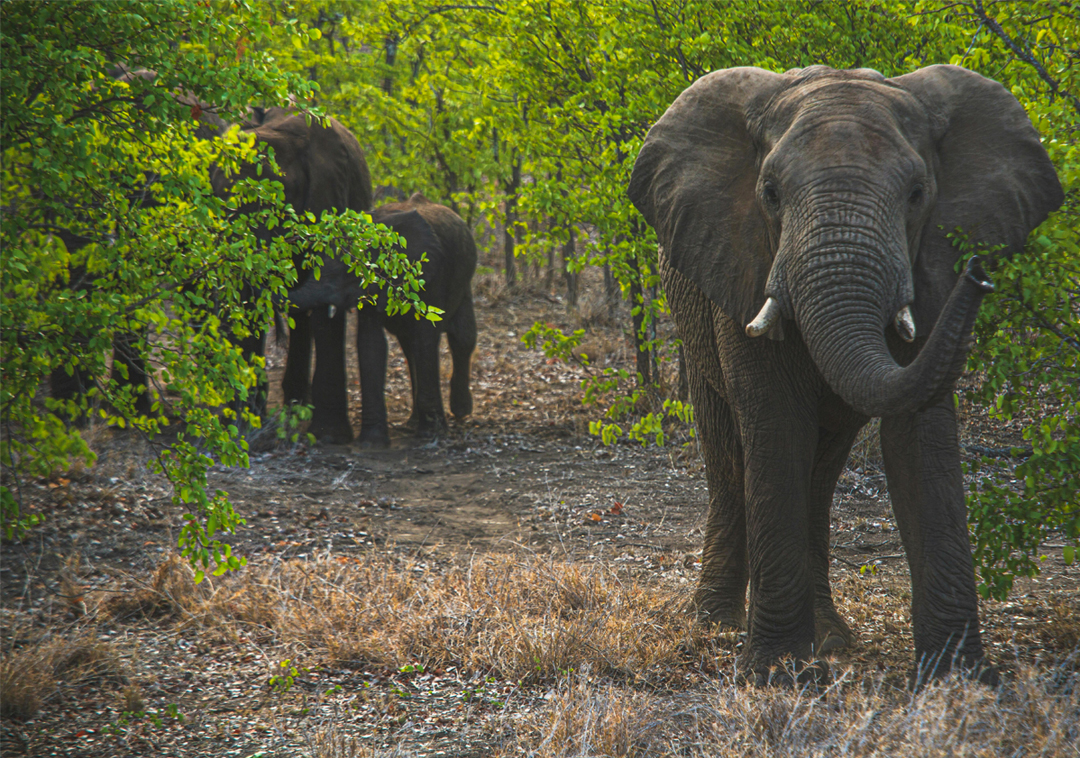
1036, 715
43, 671
516, 618
609, 660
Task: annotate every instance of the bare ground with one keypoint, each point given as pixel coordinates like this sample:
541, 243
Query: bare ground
99, 619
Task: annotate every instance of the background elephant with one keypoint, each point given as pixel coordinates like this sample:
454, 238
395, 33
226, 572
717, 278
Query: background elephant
435, 231
322, 169
812, 207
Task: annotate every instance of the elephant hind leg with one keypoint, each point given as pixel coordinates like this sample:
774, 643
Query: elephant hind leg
461, 334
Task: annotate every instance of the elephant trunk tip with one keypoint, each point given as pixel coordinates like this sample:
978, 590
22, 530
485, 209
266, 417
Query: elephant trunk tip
977, 274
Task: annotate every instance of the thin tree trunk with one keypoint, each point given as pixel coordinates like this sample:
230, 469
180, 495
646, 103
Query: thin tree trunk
683, 391
511, 221
571, 277
611, 292
637, 317
549, 277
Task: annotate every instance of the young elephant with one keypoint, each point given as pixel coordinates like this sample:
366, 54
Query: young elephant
435, 231
812, 208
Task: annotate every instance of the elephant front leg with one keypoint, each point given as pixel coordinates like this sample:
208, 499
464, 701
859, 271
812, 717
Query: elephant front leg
721, 594
371, 351
831, 632
922, 463
778, 454
330, 418
296, 383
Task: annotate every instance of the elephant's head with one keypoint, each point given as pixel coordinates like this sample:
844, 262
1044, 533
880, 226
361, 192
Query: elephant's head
825, 197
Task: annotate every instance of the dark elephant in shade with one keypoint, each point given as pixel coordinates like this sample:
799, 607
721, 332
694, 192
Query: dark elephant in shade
322, 169
437, 232
811, 208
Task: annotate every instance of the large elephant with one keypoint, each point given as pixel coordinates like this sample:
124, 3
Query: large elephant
813, 208
430, 230
322, 169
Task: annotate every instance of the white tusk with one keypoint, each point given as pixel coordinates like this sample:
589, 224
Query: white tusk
333, 311
905, 324
768, 315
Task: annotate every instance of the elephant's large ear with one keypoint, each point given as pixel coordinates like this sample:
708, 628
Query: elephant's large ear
995, 181
695, 182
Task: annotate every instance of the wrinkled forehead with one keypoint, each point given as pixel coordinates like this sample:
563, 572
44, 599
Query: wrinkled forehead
851, 111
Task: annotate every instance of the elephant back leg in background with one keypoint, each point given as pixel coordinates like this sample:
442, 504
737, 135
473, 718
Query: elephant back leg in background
461, 334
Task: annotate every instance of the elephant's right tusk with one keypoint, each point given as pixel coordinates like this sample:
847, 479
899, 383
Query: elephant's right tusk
768, 315
332, 311
905, 324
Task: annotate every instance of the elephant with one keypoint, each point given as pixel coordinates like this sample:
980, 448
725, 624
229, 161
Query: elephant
814, 208
430, 230
322, 169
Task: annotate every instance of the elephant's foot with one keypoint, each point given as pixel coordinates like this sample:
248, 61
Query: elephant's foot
975, 669
712, 608
460, 403
336, 431
787, 673
831, 632
374, 437
430, 426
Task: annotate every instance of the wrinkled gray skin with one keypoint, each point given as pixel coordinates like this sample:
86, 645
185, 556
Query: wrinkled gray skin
435, 231
831, 192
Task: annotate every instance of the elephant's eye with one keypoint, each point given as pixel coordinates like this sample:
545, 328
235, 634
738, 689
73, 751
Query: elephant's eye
771, 196
916, 195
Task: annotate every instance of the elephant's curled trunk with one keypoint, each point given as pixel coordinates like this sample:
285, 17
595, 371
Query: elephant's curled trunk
848, 346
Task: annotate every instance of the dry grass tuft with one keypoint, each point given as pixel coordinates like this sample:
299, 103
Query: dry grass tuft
866, 451
1063, 628
40, 673
522, 619
331, 742
172, 592
1039, 714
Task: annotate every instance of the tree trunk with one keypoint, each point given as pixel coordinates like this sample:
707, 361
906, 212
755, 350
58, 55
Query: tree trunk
611, 292
571, 277
637, 311
511, 187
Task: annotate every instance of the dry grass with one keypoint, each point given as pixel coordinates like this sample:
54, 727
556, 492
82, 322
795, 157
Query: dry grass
42, 672
516, 618
171, 591
1038, 714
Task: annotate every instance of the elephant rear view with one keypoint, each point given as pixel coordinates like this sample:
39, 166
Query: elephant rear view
430, 230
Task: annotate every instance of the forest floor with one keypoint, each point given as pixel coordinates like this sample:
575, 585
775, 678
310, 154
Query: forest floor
514, 588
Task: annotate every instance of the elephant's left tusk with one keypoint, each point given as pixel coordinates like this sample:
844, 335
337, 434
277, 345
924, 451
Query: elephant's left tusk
905, 324
333, 311
768, 315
